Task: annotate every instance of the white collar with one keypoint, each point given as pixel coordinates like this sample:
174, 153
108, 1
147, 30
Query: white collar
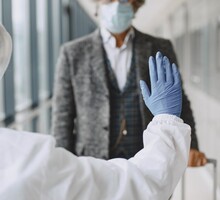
108, 38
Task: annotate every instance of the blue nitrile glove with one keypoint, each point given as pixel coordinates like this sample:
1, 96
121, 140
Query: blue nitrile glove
166, 90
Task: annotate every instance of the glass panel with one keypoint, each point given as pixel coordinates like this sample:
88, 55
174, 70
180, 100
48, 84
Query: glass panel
215, 71
27, 126
49, 115
2, 113
199, 57
218, 50
180, 44
42, 48
65, 20
44, 124
196, 61
20, 21
56, 28
35, 124
0, 10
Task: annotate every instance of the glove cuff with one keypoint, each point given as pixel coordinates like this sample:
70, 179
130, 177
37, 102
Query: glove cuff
167, 118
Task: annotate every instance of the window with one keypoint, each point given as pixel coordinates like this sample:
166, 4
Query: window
42, 48
199, 43
56, 28
180, 45
2, 114
218, 49
20, 22
35, 124
36, 30
214, 78
45, 120
195, 57
65, 20
0, 11
27, 125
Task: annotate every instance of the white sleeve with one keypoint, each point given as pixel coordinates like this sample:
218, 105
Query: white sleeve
151, 174
32, 168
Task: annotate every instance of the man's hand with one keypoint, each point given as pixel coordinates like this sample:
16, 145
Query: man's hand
165, 96
196, 158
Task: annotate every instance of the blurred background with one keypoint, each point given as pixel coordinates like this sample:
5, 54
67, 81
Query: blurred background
39, 27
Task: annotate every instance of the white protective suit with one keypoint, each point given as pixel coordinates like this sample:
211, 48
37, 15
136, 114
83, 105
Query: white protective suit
31, 168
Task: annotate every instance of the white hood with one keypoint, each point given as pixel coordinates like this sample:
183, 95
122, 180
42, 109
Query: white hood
5, 50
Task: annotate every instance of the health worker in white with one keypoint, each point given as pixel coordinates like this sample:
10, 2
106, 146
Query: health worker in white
32, 168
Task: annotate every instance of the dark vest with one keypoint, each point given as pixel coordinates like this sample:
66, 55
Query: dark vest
125, 117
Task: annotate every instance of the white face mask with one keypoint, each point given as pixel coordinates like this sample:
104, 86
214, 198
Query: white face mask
116, 17
5, 50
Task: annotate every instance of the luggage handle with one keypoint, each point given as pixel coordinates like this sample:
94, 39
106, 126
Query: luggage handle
214, 163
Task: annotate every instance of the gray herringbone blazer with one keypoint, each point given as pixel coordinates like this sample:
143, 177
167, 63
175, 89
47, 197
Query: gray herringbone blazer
81, 105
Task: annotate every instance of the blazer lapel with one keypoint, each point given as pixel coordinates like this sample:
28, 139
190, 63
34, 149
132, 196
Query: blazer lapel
142, 51
98, 65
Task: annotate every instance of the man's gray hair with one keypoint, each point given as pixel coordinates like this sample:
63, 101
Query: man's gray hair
138, 3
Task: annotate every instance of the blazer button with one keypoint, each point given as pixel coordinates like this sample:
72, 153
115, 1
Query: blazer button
124, 132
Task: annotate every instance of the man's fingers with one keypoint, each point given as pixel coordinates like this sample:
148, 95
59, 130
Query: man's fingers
201, 161
145, 91
196, 159
193, 158
204, 161
160, 67
190, 162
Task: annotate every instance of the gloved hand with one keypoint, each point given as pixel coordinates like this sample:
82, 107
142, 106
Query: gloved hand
166, 91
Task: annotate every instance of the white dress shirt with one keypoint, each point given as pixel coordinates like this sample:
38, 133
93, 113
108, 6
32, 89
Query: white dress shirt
120, 58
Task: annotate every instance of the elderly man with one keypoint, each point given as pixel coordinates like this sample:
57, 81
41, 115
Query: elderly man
31, 168
98, 109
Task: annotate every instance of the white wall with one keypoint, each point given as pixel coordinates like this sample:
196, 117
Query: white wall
206, 108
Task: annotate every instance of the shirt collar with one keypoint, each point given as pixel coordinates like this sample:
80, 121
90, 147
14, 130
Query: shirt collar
108, 38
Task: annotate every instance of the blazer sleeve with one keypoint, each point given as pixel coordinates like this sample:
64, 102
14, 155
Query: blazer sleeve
187, 115
63, 110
